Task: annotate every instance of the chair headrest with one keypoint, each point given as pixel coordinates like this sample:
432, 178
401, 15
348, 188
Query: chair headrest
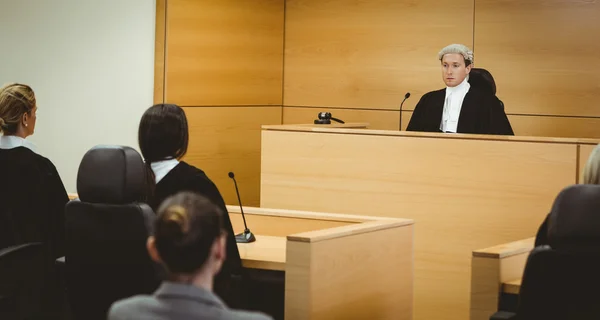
574, 222
483, 79
112, 175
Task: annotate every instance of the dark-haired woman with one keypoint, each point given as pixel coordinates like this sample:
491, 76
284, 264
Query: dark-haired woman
189, 241
163, 140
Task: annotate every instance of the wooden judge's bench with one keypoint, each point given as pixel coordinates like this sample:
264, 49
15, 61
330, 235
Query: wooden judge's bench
464, 192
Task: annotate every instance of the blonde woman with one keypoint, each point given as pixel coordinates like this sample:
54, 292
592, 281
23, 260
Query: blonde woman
591, 175
32, 195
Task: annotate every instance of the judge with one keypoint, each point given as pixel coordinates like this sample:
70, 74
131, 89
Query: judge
459, 108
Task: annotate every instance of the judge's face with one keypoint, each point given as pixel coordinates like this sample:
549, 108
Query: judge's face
454, 70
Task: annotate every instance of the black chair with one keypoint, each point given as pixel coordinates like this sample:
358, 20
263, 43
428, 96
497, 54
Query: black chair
561, 281
22, 270
483, 79
106, 232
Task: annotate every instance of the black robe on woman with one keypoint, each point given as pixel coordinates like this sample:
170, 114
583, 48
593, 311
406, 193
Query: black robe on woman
32, 201
185, 177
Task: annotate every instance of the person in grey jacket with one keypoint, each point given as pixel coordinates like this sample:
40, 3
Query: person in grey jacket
190, 242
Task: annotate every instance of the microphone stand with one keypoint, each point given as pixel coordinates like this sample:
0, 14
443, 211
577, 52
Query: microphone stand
246, 236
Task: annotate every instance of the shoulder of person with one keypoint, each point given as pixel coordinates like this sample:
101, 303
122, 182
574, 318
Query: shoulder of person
247, 315
194, 172
42, 163
485, 96
435, 92
128, 308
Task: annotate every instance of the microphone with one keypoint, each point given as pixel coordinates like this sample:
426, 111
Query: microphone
246, 236
406, 96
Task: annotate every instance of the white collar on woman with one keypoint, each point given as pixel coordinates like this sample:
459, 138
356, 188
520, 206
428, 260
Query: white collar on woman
11, 142
162, 168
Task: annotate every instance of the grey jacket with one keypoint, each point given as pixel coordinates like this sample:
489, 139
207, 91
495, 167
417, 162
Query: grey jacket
178, 302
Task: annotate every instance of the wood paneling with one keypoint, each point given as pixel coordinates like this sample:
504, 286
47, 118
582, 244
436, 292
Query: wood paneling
159, 51
281, 226
368, 54
544, 126
225, 52
224, 139
406, 115
462, 193
487, 277
542, 53
377, 119
266, 253
322, 284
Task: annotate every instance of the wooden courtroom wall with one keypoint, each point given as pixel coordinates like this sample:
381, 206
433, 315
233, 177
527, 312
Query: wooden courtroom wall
365, 55
236, 63
222, 61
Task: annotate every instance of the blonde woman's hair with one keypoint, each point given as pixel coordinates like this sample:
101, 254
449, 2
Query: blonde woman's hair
15, 100
591, 171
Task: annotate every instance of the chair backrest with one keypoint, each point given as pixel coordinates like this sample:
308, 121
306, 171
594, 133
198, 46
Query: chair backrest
106, 232
483, 79
561, 280
21, 272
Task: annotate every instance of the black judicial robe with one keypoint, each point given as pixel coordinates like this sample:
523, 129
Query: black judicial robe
185, 177
481, 113
541, 237
32, 201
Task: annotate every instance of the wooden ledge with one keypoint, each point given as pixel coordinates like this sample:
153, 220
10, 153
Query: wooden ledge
506, 250
306, 214
345, 231
315, 129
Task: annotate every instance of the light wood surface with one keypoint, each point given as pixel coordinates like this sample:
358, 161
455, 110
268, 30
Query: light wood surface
307, 215
267, 253
224, 139
507, 249
341, 272
368, 54
491, 268
352, 276
555, 126
435, 135
224, 52
512, 287
281, 226
159, 51
464, 192
377, 119
349, 230
73, 196
544, 126
531, 47
350, 125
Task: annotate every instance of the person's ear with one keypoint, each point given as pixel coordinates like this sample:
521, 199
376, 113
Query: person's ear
152, 251
220, 250
219, 253
24, 119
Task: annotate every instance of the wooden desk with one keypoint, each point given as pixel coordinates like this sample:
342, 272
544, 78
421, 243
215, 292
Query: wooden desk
463, 191
512, 287
267, 253
337, 266
496, 270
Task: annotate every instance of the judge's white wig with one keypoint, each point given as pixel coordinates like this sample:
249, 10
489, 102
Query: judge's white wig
460, 49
